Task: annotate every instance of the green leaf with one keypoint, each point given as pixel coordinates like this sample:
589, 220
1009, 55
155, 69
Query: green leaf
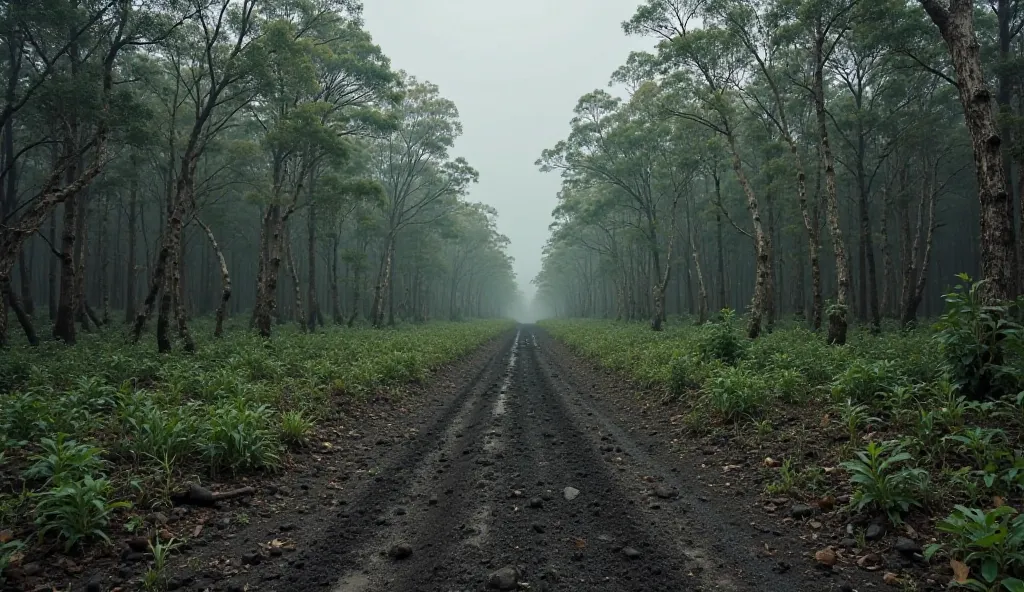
990, 570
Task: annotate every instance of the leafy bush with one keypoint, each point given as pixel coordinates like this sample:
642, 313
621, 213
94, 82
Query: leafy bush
881, 483
979, 342
990, 542
77, 510
238, 437
719, 340
149, 431
734, 393
64, 460
865, 381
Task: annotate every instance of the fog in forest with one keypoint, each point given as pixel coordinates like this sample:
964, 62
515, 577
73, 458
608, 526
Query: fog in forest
325, 163
466, 294
515, 76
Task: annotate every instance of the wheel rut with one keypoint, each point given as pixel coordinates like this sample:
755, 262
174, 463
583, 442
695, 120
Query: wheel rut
522, 472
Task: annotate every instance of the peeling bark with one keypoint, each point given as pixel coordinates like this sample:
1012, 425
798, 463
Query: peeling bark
956, 25
225, 280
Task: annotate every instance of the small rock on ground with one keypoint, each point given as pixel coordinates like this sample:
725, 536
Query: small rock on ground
506, 578
907, 546
801, 511
631, 553
570, 493
400, 551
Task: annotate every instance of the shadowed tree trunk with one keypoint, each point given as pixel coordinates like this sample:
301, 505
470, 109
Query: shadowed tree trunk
956, 25
64, 325
132, 267
916, 271
837, 315
53, 271
313, 305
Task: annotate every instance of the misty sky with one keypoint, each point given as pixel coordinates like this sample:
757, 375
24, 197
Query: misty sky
515, 71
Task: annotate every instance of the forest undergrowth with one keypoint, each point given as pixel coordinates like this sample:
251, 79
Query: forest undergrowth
95, 438
907, 435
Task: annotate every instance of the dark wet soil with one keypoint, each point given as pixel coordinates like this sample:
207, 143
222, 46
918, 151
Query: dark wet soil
519, 468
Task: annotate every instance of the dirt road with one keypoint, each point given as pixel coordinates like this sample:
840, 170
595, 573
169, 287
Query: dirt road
518, 474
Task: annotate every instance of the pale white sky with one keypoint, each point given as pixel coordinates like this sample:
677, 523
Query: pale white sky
515, 71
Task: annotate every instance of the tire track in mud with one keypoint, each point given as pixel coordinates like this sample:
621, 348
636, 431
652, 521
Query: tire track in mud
485, 488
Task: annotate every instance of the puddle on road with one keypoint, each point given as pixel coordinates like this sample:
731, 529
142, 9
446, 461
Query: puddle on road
499, 405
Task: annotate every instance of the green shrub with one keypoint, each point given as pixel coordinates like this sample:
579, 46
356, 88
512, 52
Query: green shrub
882, 483
735, 393
63, 460
979, 343
719, 340
23, 416
77, 510
991, 543
865, 381
238, 437
149, 431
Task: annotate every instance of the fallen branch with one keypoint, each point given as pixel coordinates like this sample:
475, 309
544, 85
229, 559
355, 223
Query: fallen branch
197, 495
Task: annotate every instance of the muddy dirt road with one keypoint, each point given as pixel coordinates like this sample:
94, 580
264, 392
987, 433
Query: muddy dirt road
517, 476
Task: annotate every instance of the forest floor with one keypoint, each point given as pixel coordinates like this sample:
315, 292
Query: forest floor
528, 466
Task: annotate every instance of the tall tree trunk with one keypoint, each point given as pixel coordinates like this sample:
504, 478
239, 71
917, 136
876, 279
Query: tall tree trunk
300, 315
267, 284
888, 270
391, 288
763, 291
837, 315
225, 280
336, 313
84, 314
25, 278
104, 266
956, 24
7, 293
166, 266
702, 291
313, 305
381, 290
1006, 11
869, 274
64, 325
131, 273
53, 267
723, 301
356, 293
915, 293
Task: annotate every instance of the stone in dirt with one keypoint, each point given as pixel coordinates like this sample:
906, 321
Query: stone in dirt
631, 553
506, 578
571, 493
665, 492
400, 551
825, 557
536, 502
801, 511
538, 527
875, 532
907, 546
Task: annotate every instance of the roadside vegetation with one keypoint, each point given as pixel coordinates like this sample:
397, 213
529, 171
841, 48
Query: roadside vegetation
915, 432
96, 438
